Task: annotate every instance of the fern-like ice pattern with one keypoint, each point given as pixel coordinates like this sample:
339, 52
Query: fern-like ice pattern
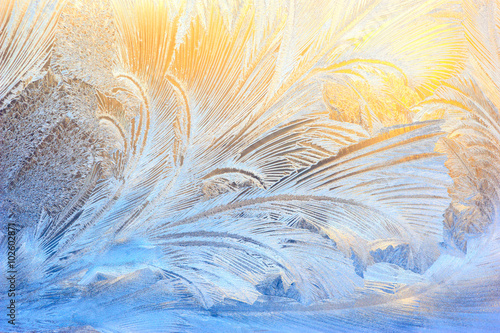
246, 165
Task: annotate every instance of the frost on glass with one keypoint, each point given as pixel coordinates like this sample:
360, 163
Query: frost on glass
283, 166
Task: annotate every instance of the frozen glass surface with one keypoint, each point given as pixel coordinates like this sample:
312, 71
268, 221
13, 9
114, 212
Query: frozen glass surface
249, 165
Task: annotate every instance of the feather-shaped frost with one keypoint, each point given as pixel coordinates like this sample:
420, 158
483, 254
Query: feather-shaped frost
247, 165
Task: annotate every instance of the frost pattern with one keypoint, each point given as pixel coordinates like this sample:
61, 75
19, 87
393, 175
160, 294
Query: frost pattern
247, 165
